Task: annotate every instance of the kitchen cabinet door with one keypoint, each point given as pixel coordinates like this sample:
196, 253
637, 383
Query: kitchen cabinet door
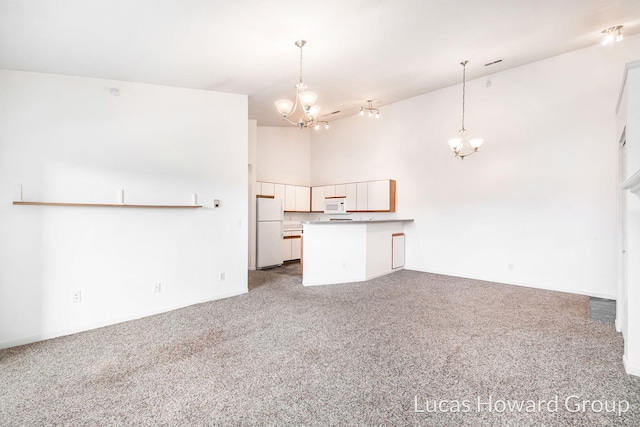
278, 192
286, 246
303, 199
341, 190
397, 250
317, 199
329, 191
290, 198
361, 196
296, 248
351, 194
267, 189
378, 195
381, 195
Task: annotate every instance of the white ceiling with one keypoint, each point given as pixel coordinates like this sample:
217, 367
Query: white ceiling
385, 50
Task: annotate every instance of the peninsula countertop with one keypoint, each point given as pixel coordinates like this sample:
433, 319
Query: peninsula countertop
354, 221
353, 250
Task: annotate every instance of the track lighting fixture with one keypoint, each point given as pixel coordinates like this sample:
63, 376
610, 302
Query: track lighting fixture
611, 34
370, 109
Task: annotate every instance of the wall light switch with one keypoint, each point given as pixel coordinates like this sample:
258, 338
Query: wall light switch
216, 203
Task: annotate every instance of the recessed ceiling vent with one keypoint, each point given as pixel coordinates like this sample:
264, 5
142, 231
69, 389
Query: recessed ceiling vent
335, 112
492, 63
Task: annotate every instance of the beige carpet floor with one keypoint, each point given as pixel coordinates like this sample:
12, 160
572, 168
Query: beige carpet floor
409, 348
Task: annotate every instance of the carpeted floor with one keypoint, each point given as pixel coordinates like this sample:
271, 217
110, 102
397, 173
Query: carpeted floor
409, 348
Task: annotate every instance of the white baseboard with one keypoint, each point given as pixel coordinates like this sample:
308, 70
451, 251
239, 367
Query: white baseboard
576, 291
60, 333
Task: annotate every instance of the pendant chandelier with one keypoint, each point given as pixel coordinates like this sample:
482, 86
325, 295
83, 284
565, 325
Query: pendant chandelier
462, 146
307, 99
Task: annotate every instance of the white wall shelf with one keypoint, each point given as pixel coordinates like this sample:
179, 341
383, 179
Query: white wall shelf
109, 205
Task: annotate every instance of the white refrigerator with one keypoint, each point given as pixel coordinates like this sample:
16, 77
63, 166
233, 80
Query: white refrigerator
269, 214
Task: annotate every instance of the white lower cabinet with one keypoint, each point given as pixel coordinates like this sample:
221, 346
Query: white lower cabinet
296, 247
291, 245
286, 246
397, 250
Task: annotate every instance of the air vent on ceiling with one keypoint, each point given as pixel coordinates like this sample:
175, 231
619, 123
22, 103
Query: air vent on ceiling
335, 112
494, 62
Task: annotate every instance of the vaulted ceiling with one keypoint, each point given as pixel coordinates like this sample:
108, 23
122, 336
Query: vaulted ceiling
356, 49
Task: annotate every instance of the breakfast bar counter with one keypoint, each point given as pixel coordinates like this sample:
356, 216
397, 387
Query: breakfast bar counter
347, 251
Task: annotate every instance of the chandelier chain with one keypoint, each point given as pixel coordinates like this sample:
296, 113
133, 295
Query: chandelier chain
300, 64
462, 146
464, 84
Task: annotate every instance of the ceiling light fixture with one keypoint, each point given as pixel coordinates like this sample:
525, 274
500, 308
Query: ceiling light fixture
612, 33
306, 98
370, 109
459, 144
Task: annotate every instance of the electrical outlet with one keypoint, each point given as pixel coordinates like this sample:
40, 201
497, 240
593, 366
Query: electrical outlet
221, 276
77, 296
156, 288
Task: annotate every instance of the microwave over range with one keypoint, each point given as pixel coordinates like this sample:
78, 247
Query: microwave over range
335, 205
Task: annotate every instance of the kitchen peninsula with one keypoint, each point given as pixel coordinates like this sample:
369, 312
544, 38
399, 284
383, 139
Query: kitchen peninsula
351, 251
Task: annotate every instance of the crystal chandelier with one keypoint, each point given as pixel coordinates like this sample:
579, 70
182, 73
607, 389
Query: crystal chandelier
307, 99
462, 146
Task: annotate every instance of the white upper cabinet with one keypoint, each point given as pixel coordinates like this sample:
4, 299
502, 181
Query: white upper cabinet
329, 191
361, 196
378, 195
295, 198
319, 195
351, 195
317, 199
302, 199
290, 198
279, 192
267, 189
368, 196
373, 196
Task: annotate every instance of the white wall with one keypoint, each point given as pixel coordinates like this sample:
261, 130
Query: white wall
253, 148
628, 316
283, 155
540, 196
68, 139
